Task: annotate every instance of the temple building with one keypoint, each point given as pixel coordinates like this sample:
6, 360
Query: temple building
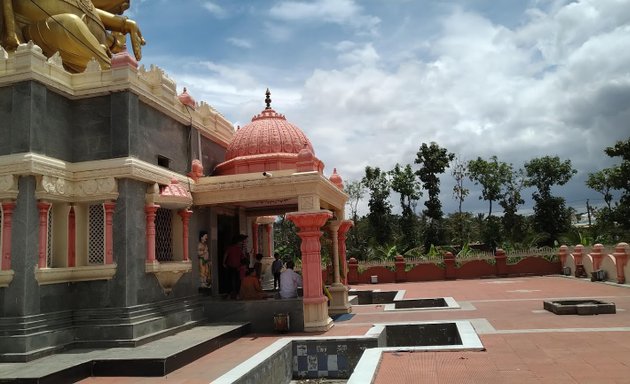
107, 179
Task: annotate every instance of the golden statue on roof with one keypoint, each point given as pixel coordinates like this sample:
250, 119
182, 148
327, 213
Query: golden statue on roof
78, 29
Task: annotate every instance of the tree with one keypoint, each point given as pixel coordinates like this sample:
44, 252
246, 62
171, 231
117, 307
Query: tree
491, 175
460, 172
403, 181
380, 209
621, 180
355, 190
550, 215
513, 224
602, 182
433, 161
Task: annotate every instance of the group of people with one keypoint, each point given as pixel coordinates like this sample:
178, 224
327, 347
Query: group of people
245, 282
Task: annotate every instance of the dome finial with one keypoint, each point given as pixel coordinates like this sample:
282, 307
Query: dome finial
268, 99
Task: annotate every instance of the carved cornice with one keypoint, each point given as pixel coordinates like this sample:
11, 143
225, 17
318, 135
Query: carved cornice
152, 86
8, 187
85, 273
56, 188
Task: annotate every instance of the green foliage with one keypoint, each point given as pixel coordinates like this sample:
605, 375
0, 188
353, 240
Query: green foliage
403, 181
286, 240
620, 179
491, 175
380, 209
433, 161
550, 214
355, 190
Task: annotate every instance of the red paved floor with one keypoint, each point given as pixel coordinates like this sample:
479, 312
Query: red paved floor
524, 344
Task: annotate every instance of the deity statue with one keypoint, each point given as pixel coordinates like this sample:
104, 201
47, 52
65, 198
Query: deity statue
78, 29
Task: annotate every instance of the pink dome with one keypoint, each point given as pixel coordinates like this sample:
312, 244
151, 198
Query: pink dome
268, 143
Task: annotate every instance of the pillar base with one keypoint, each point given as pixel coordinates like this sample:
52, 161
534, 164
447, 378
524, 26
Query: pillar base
316, 317
339, 304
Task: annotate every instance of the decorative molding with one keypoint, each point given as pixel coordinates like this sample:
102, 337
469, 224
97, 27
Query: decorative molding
6, 277
8, 187
46, 276
56, 188
152, 86
168, 273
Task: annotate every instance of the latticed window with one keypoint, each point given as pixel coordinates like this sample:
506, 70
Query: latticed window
96, 234
49, 239
163, 235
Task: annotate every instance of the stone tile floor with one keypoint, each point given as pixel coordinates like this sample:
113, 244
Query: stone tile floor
524, 343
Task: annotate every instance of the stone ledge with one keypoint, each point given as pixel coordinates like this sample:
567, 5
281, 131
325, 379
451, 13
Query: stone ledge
6, 277
46, 276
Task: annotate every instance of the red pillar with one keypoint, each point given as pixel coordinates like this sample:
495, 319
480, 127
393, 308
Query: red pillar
353, 271
621, 259
450, 272
72, 238
399, 264
563, 253
150, 211
185, 215
309, 224
43, 209
501, 262
7, 217
341, 240
109, 232
269, 228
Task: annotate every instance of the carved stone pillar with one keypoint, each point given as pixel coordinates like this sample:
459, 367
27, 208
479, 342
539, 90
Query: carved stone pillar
72, 238
577, 257
150, 211
43, 209
109, 232
185, 215
7, 219
344, 227
597, 255
315, 303
621, 258
339, 293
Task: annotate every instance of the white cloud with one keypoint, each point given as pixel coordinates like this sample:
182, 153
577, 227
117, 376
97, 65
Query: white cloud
241, 43
341, 12
215, 9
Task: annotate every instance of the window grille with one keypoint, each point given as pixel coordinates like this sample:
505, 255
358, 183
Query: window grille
49, 239
96, 234
163, 238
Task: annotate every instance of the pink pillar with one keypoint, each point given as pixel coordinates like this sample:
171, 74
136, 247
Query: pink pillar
309, 224
43, 208
254, 238
597, 255
72, 238
341, 239
7, 217
577, 256
150, 211
185, 215
563, 253
353, 271
269, 228
621, 259
109, 232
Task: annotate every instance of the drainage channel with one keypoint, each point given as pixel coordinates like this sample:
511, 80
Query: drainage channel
352, 358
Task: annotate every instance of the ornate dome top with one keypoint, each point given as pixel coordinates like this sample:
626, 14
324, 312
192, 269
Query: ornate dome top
268, 143
269, 132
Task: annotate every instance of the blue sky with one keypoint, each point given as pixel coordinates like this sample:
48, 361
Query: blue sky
370, 81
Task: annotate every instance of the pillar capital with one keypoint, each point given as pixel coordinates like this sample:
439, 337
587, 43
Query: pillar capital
309, 220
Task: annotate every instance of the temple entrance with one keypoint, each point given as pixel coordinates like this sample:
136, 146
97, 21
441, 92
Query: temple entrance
227, 228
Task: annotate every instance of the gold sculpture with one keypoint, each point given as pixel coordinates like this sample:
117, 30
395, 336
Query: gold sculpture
78, 29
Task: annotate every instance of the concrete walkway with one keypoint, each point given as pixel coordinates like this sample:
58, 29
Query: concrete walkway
524, 343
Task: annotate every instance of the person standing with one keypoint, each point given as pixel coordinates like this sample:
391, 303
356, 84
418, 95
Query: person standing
276, 269
232, 262
289, 282
205, 265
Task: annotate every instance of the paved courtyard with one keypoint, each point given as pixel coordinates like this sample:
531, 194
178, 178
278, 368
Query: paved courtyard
524, 343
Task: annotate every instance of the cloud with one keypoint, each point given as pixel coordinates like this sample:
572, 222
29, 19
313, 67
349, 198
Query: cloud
241, 43
341, 12
215, 9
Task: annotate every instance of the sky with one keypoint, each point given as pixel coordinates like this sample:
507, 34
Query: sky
369, 81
